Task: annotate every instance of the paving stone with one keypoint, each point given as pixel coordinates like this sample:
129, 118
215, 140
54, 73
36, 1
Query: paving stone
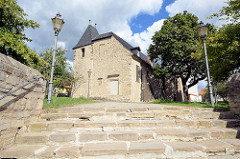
203, 124
62, 137
214, 146
184, 146
49, 152
124, 136
219, 123
146, 135
104, 149
166, 123
236, 156
52, 116
116, 110
89, 136
20, 151
139, 148
148, 123
140, 115
79, 115
69, 151
171, 133
32, 138
37, 127
185, 123
99, 124
59, 125
139, 109
234, 142
128, 123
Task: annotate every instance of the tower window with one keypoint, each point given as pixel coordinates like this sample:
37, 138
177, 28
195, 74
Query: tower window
83, 52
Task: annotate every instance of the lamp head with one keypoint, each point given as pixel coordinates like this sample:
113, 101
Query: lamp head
57, 22
202, 30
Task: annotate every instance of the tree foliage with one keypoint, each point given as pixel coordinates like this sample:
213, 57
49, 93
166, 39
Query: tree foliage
177, 48
62, 75
232, 11
12, 38
223, 47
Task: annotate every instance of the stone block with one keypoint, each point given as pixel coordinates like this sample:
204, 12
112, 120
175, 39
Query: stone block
166, 123
171, 133
90, 136
104, 149
234, 142
31, 138
69, 151
203, 123
59, 125
124, 136
62, 137
148, 123
140, 148
184, 146
52, 116
140, 115
37, 127
185, 123
128, 123
214, 146
218, 123
20, 151
146, 135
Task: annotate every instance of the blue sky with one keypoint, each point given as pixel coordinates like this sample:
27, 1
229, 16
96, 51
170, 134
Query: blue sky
135, 21
143, 21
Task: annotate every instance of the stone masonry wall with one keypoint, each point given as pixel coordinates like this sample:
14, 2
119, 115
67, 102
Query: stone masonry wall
233, 89
23, 106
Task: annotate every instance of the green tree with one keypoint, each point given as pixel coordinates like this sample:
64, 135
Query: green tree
12, 37
62, 75
223, 47
176, 46
232, 11
224, 52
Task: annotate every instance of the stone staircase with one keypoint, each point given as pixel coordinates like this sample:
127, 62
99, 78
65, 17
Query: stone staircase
129, 130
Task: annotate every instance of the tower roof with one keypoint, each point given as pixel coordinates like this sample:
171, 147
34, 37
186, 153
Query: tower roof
86, 39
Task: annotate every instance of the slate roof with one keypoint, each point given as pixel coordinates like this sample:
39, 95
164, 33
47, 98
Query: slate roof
89, 34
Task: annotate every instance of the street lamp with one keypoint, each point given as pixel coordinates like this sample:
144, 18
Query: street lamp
202, 33
89, 77
57, 26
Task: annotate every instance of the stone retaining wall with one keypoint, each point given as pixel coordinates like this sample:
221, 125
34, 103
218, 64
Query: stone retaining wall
23, 106
233, 89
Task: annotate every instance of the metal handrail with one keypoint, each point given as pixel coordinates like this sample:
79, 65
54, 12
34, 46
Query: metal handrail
21, 87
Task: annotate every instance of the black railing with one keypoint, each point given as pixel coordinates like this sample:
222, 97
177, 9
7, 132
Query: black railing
21, 87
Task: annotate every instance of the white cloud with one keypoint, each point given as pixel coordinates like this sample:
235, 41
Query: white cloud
143, 39
202, 9
61, 44
70, 64
110, 15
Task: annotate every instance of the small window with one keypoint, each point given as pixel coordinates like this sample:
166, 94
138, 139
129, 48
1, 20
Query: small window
83, 52
100, 81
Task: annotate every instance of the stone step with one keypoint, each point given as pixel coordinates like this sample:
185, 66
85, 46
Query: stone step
125, 124
179, 149
171, 114
81, 136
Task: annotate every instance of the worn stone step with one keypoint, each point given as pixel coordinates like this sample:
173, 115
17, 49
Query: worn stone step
163, 114
125, 124
33, 138
154, 149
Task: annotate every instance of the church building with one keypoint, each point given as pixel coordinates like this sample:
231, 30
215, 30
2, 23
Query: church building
107, 67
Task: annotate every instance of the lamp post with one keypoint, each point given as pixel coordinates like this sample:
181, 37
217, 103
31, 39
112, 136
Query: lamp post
89, 77
202, 33
57, 26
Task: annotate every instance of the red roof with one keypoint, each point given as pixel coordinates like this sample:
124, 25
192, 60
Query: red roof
202, 91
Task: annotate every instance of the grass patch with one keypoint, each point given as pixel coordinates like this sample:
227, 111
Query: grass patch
58, 102
191, 104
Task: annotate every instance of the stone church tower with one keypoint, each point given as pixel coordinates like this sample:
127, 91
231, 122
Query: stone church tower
107, 67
